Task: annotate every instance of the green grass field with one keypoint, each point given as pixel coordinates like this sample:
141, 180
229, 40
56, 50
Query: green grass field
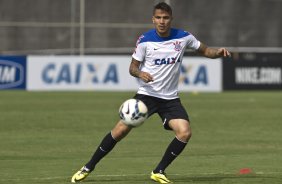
47, 136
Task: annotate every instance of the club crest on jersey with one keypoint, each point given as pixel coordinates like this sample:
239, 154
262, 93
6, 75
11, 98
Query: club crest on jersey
177, 46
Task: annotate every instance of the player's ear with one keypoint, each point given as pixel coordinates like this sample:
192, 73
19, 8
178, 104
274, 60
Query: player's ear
153, 20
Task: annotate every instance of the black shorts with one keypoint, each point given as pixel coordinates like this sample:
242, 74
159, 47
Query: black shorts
167, 109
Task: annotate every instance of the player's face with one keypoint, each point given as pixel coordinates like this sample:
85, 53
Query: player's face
162, 21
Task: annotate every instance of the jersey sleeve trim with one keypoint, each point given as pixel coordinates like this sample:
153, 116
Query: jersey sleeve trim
136, 58
152, 36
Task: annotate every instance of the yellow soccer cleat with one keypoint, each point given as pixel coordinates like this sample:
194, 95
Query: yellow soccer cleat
160, 177
80, 175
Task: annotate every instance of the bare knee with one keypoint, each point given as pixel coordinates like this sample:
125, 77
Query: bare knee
181, 128
120, 131
184, 135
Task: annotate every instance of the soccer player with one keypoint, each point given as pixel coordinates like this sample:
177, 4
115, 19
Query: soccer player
156, 63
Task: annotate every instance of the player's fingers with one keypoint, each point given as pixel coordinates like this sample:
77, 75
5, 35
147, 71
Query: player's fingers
146, 77
150, 78
220, 52
227, 53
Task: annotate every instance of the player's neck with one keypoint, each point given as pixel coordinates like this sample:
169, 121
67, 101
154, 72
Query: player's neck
163, 35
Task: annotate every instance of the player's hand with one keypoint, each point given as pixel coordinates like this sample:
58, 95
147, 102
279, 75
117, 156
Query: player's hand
146, 77
223, 52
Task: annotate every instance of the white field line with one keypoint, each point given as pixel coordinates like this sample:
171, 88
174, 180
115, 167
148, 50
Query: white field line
128, 175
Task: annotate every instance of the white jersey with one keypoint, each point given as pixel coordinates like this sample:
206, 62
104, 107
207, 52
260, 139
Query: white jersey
162, 57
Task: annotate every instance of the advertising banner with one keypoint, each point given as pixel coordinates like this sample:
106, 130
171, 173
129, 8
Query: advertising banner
252, 75
12, 72
80, 73
201, 74
112, 73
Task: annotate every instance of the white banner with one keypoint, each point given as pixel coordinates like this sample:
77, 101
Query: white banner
112, 73
79, 73
201, 74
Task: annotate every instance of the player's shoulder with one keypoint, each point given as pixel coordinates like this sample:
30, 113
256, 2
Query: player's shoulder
149, 36
178, 33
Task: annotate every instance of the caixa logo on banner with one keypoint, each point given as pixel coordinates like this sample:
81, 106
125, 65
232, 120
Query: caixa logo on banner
75, 73
11, 74
199, 76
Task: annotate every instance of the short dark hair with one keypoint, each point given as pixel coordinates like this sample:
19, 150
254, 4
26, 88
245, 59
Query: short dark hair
162, 6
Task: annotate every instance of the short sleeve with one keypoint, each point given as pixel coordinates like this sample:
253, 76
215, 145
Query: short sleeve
192, 42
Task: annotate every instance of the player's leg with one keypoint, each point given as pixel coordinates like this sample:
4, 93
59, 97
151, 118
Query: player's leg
183, 133
174, 118
106, 145
181, 128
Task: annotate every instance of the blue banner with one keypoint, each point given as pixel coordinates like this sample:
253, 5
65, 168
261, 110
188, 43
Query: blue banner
12, 72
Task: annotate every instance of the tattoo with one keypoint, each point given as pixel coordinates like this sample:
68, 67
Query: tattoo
212, 53
134, 68
208, 51
134, 71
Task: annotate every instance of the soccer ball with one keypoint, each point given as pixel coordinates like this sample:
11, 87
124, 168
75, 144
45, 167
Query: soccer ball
133, 112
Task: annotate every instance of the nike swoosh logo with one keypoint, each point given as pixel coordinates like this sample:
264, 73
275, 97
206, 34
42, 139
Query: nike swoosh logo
103, 149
